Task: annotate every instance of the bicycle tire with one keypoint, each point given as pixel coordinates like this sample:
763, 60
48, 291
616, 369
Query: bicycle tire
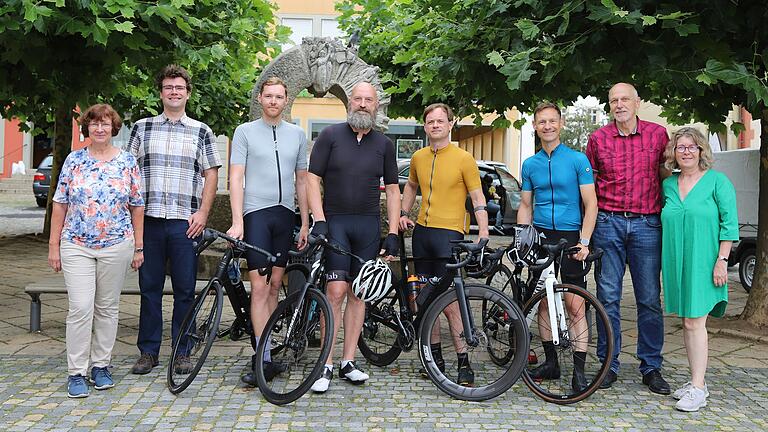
378, 341
290, 346
196, 334
501, 279
560, 390
496, 379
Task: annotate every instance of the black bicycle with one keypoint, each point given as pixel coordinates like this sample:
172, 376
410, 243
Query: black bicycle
293, 332
201, 323
571, 327
391, 324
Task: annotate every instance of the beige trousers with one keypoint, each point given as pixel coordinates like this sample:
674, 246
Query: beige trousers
94, 280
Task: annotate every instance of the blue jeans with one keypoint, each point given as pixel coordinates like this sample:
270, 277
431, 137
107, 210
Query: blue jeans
164, 239
493, 207
635, 241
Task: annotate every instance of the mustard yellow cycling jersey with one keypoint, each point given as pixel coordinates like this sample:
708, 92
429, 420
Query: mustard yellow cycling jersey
445, 177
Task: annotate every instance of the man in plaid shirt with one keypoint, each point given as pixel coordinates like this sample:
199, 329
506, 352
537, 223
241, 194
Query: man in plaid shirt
179, 165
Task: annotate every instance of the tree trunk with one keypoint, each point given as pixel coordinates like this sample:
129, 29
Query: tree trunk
756, 310
62, 145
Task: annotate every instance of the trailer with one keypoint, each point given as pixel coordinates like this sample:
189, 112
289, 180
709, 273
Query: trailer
743, 169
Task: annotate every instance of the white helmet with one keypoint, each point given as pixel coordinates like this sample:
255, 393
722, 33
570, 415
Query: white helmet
373, 281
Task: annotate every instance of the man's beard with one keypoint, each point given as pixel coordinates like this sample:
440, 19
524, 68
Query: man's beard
360, 120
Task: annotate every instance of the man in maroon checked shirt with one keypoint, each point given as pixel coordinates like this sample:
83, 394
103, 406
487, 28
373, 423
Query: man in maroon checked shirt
627, 156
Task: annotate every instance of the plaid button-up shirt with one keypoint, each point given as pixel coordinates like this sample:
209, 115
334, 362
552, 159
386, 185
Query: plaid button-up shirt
627, 167
172, 157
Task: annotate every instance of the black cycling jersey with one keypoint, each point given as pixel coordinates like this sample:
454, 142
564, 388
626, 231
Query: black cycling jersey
351, 170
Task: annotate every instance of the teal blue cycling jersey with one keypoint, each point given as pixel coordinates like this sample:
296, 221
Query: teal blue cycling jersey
554, 180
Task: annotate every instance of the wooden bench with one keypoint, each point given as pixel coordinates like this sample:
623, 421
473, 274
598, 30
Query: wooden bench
54, 284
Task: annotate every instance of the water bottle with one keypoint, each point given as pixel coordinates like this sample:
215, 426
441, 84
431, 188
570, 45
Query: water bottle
414, 285
426, 290
234, 271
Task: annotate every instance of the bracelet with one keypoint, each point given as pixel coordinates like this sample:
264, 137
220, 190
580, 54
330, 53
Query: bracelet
480, 208
138, 250
403, 213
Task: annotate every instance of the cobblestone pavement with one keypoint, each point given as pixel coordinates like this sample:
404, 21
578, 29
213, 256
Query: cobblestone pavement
34, 398
33, 377
19, 214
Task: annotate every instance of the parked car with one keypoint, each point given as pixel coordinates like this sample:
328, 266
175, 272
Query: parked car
743, 254
42, 181
507, 187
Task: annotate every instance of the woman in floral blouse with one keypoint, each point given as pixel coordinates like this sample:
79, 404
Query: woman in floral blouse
96, 233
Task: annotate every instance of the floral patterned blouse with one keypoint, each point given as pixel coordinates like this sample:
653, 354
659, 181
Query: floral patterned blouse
98, 194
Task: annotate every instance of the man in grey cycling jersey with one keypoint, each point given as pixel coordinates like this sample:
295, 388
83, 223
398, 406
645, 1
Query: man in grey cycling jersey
270, 155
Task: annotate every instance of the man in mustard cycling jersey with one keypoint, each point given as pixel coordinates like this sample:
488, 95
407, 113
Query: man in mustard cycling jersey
445, 174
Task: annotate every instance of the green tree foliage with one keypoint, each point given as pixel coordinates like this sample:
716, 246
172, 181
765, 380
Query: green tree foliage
58, 54
695, 58
579, 123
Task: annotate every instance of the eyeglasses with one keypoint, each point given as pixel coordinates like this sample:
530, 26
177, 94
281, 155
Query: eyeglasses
99, 125
691, 149
178, 88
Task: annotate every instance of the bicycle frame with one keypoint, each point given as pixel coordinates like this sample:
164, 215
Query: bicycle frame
557, 319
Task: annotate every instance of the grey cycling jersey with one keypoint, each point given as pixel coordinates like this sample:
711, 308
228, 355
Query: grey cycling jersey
271, 155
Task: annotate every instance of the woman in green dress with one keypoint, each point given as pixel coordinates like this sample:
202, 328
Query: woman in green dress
699, 224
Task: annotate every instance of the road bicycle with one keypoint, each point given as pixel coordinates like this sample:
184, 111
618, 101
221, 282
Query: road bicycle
568, 330
201, 324
403, 319
292, 331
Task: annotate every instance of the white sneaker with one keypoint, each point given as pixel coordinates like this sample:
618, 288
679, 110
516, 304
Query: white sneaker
353, 373
678, 394
693, 399
322, 383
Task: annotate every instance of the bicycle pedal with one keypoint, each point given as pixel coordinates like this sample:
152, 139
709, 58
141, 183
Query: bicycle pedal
532, 358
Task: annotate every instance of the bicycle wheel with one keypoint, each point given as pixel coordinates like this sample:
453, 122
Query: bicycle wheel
579, 334
287, 333
499, 279
381, 341
196, 335
488, 378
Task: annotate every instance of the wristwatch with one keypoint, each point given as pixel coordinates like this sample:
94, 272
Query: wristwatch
722, 258
137, 250
403, 213
584, 242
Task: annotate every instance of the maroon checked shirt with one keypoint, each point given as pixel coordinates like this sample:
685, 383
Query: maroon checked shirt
627, 167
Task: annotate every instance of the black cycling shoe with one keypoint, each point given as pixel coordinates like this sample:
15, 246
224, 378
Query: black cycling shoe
466, 376
440, 365
271, 370
579, 381
546, 371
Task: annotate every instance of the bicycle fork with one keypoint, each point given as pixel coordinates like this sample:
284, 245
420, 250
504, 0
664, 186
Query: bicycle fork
466, 314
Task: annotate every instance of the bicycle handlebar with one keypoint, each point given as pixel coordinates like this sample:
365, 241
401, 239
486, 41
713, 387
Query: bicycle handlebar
322, 241
554, 249
210, 235
471, 249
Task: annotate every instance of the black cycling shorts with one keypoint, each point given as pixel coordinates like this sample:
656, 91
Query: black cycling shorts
567, 265
359, 234
270, 229
432, 249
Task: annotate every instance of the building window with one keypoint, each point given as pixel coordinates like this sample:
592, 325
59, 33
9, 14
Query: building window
300, 28
306, 26
330, 28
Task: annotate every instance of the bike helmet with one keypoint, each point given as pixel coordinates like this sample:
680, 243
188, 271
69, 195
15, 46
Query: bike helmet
526, 245
373, 281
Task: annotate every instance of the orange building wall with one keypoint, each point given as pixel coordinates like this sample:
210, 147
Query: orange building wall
13, 147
